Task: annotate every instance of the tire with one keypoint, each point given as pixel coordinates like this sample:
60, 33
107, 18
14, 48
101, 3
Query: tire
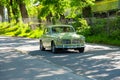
53, 49
41, 46
81, 50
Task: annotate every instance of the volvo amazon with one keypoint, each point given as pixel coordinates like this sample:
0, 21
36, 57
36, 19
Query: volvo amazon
57, 37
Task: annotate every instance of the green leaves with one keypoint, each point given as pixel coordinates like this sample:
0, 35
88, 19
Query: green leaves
48, 8
53, 9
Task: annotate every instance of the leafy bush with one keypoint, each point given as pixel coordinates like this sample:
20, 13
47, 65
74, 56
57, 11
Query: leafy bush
35, 33
24, 31
98, 27
102, 39
20, 29
115, 34
117, 23
3, 27
106, 31
81, 26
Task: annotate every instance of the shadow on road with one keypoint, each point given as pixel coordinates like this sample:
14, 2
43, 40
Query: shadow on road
17, 66
99, 64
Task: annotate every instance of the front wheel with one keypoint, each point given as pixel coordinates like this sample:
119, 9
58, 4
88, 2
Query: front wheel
41, 46
81, 50
53, 48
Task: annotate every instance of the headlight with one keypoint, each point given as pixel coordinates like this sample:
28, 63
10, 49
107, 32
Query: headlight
82, 39
58, 41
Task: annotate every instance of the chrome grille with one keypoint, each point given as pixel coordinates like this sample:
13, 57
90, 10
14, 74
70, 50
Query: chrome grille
66, 41
75, 41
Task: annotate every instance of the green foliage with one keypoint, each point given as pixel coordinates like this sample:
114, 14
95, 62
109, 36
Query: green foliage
53, 9
115, 35
98, 27
2, 29
102, 39
102, 31
3, 2
81, 26
117, 23
44, 9
24, 31
20, 30
106, 31
6, 27
35, 33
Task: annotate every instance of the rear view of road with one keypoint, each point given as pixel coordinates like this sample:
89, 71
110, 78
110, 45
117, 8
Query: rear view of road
99, 61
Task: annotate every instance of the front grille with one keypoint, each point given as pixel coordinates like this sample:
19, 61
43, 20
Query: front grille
75, 41
67, 41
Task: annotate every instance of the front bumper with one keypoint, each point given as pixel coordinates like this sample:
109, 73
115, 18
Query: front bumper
70, 46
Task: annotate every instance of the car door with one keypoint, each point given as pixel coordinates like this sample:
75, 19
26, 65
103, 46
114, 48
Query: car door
47, 37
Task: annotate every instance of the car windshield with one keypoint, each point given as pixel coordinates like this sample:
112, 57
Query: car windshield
62, 29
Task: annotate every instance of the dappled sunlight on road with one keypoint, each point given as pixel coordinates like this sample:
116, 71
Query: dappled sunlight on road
99, 63
27, 68
17, 66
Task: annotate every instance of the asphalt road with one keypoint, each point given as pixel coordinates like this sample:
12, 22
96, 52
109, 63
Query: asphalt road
98, 61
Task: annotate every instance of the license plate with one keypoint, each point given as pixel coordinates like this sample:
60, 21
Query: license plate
72, 46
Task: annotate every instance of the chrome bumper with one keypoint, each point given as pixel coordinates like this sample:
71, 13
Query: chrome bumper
69, 46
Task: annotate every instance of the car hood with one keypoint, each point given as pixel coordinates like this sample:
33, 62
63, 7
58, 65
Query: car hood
67, 35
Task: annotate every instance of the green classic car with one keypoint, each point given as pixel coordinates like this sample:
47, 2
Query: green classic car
58, 37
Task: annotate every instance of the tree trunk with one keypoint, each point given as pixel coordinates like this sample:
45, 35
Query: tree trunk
2, 13
15, 10
9, 14
23, 10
